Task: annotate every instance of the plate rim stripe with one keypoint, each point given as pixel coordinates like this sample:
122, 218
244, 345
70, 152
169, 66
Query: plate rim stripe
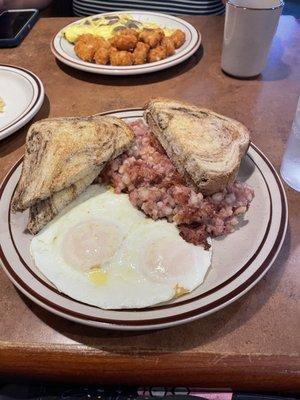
29, 107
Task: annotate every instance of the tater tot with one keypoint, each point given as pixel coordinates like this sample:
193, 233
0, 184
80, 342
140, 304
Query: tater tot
152, 37
157, 54
86, 46
102, 56
112, 50
169, 46
178, 38
101, 42
121, 58
86, 38
140, 53
124, 41
85, 51
92, 40
160, 32
128, 31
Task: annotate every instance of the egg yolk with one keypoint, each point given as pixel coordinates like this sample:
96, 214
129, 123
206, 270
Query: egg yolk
97, 276
166, 262
90, 243
179, 290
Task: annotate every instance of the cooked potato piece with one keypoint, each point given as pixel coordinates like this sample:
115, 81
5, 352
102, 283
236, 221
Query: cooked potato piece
151, 37
178, 38
85, 51
128, 31
102, 56
140, 53
90, 39
124, 41
103, 43
121, 58
112, 50
86, 46
86, 38
160, 32
169, 46
157, 54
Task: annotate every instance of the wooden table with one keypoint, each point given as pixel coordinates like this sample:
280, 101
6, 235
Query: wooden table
251, 344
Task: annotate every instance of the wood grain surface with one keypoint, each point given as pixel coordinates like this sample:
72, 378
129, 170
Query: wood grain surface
251, 344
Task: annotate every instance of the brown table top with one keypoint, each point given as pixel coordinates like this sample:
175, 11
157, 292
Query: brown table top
251, 344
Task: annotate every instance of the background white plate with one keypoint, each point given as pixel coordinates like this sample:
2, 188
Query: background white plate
23, 94
64, 51
233, 273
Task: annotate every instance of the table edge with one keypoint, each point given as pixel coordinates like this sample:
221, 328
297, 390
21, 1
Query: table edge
148, 367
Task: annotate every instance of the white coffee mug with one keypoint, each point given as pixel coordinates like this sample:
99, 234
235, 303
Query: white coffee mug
249, 29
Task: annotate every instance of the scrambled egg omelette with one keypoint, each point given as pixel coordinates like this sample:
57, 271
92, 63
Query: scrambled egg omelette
106, 26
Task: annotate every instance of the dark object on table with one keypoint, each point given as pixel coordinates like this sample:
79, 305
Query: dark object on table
73, 392
15, 25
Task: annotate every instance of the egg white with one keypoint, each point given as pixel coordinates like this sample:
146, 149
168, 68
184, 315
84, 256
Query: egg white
103, 251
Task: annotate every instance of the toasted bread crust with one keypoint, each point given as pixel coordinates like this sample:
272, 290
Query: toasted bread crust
45, 210
62, 151
205, 147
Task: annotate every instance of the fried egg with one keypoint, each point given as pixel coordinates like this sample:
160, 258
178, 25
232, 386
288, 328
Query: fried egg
104, 252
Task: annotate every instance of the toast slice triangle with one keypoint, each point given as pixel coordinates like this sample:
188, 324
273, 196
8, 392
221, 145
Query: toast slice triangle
205, 147
63, 151
45, 210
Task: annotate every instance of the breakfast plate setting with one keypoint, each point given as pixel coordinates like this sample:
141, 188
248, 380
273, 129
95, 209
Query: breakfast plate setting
128, 60
149, 214
108, 260
22, 95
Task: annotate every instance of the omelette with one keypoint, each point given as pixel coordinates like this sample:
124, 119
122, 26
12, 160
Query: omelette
107, 25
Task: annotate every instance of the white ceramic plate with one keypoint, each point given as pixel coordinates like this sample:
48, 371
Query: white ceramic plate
64, 51
23, 95
231, 275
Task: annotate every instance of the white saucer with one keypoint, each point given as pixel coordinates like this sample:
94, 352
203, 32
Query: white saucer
23, 95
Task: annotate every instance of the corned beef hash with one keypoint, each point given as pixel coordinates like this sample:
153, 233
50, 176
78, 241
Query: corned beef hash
155, 186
